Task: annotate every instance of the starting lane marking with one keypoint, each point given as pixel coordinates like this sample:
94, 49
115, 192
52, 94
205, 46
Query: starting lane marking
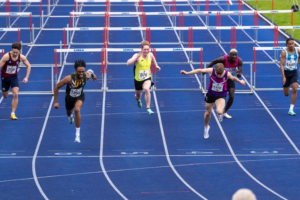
135, 153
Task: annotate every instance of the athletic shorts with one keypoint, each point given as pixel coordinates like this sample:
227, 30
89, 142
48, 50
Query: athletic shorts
9, 82
230, 84
138, 85
291, 77
211, 99
70, 101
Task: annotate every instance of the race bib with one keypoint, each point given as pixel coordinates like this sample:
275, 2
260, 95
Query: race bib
143, 74
75, 92
231, 70
11, 69
217, 87
290, 65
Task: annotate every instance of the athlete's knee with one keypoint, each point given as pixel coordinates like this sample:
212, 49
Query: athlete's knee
77, 110
207, 113
5, 95
15, 95
147, 90
294, 90
286, 94
231, 96
219, 111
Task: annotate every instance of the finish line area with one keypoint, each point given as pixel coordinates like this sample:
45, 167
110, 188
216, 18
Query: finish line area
124, 152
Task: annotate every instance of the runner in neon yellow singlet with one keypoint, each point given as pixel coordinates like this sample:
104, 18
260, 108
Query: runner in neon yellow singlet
142, 74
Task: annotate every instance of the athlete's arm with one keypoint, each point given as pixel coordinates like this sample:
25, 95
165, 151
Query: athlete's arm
197, 71
239, 70
154, 61
66, 80
4, 59
90, 73
27, 64
230, 76
282, 59
218, 60
133, 59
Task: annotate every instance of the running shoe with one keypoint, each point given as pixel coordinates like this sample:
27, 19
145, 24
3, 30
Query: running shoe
227, 116
13, 117
71, 120
291, 112
220, 117
77, 139
206, 134
150, 111
140, 104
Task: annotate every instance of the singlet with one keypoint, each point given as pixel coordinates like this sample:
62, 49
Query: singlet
76, 89
217, 86
10, 68
230, 67
142, 69
291, 61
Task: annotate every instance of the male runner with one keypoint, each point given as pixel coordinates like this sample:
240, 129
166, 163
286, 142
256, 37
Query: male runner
9, 73
288, 67
217, 91
142, 74
74, 93
230, 62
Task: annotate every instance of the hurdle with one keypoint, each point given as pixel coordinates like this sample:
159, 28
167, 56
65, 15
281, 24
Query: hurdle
11, 29
276, 55
104, 61
2, 52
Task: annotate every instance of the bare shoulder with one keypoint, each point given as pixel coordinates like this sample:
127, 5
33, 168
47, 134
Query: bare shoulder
23, 58
5, 57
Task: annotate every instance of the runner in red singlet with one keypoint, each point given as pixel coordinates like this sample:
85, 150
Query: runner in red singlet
9, 74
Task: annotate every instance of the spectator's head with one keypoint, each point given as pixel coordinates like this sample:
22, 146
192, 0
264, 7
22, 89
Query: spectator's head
244, 194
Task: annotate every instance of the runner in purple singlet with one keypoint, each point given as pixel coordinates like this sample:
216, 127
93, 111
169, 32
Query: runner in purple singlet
230, 62
217, 91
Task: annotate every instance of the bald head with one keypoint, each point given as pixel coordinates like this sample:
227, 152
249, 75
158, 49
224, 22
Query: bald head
244, 194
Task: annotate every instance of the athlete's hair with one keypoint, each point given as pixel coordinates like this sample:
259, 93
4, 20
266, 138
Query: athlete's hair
144, 43
16, 45
233, 51
79, 63
289, 39
244, 194
219, 68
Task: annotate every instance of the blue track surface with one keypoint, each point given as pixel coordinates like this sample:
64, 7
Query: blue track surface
126, 153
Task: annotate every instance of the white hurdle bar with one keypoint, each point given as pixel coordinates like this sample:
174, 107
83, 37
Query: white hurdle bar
104, 55
122, 1
276, 49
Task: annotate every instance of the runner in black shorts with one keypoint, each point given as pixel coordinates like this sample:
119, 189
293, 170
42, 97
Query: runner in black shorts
9, 75
230, 63
74, 93
142, 74
289, 62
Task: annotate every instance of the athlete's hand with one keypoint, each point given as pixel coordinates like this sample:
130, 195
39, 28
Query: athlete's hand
25, 80
242, 82
283, 80
238, 73
158, 68
94, 77
56, 105
183, 72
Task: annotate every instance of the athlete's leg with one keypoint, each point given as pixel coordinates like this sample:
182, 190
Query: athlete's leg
207, 114
5, 94
14, 103
78, 106
294, 93
146, 88
220, 103
230, 99
286, 91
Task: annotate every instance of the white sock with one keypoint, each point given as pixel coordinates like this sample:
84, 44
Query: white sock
77, 132
12, 113
206, 128
291, 107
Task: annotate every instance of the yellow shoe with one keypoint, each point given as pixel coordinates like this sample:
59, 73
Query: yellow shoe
13, 117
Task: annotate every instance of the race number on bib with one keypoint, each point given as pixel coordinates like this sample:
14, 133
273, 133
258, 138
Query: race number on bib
290, 65
75, 92
143, 74
11, 69
217, 87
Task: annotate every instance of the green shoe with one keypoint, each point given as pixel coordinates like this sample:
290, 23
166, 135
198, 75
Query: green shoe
71, 120
150, 111
140, 104
291, 112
